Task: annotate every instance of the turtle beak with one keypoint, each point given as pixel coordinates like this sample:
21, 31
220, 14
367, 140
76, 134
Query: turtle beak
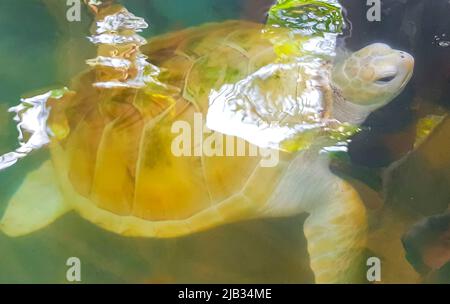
408, 61
406, 67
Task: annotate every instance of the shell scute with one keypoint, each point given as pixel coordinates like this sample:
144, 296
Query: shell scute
119, 149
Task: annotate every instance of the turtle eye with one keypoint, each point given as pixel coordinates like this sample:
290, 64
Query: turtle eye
386, 79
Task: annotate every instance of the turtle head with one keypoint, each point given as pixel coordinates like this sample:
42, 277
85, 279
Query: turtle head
369, 79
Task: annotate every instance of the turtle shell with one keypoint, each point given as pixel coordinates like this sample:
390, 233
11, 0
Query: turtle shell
113, 148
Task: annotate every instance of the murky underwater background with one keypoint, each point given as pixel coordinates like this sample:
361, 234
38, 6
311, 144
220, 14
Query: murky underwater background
40, 49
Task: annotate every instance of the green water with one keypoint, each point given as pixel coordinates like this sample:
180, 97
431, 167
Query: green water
39, 50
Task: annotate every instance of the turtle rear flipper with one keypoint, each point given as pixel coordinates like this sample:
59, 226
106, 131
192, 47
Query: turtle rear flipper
37, 203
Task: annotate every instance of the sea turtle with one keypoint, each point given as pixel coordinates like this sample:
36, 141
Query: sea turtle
112, 157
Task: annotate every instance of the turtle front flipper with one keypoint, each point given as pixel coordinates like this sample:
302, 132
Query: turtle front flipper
336, 229
37, 203
336, 234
